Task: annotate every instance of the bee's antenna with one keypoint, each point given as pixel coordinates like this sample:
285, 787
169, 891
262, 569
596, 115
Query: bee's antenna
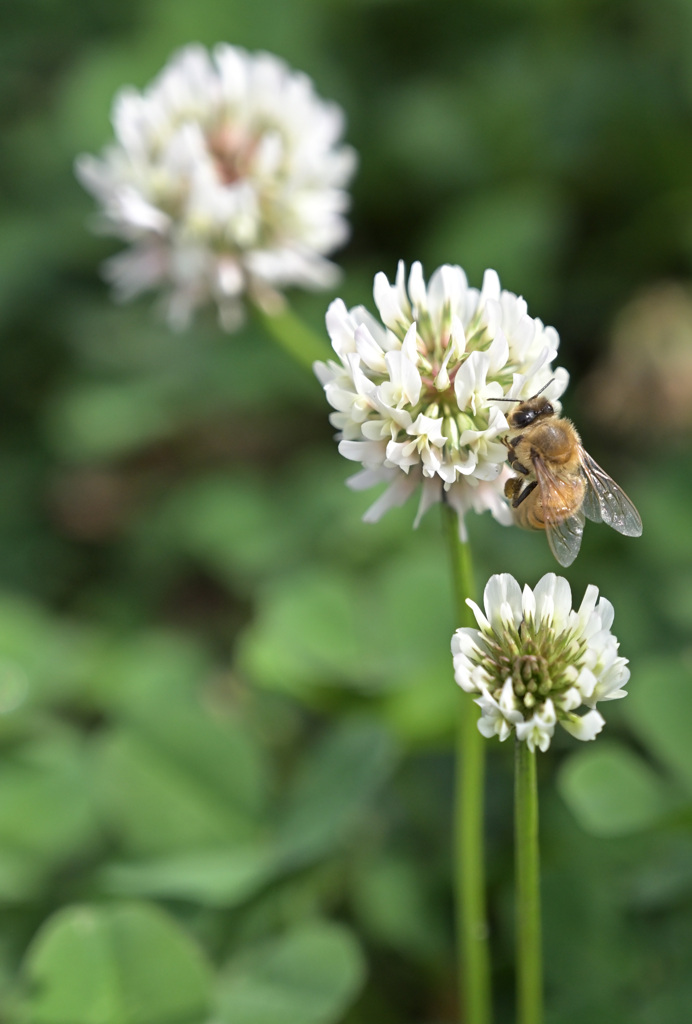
525, 399
542, 389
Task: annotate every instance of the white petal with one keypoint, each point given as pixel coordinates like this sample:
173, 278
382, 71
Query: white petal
586, 683
509, 704
538, 730
368, 349
483, 623
396, 494
570, 699
231, 277
340, 328
491, 286
553, 600
471, 379
486, 727
368, 478
587, 606
395, 313
370, 453
431, 494
502, 602
528, 603
416, 289
607, 613
465, 641
498, 355
586, 727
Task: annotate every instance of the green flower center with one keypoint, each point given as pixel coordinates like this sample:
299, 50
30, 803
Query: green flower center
540, 663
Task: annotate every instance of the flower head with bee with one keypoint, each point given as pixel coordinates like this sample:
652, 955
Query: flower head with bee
414, 394
533, 661
228, 179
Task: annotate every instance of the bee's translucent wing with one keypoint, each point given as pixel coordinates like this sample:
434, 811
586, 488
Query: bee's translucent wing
564, 537
605, 502
563, 515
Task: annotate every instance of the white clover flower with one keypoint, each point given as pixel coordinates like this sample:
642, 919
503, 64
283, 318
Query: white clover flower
415, 394
534, 661
228, 179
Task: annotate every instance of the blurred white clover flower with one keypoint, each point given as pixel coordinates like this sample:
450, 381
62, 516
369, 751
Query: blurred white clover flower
414, 395
533, 660
228, 178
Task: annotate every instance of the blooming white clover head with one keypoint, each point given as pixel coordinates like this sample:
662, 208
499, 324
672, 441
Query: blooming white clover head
533, 661
415, 395
227, 178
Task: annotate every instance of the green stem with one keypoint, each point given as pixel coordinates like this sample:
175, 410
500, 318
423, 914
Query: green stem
528, 896
469, 866
294, 336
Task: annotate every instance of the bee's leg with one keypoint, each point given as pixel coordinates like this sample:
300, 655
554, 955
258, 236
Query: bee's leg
512, 459
516, 465
519, 497
512, 442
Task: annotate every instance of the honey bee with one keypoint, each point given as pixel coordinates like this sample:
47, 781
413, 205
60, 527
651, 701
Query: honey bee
558, 484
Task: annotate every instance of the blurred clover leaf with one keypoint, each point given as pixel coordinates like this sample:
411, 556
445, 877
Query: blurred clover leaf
129, 963
178, 778
221, 877
614, 791
334, 788
47, 812
308, 976
327, 626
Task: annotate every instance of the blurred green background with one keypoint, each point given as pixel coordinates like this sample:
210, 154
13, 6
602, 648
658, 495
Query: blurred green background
226, 704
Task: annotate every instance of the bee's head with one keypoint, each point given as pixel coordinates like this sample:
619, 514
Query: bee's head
530, 409
528, 412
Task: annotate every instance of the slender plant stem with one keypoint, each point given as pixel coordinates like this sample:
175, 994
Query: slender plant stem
469, 866
528, 895
294, 336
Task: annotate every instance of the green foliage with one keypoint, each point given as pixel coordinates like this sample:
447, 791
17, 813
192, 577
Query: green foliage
46, 811
220, 877
332, 789
660, 723
125, 964
612, 792
220, 691
308, 976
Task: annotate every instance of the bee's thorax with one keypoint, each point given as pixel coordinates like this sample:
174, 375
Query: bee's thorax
554, 440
